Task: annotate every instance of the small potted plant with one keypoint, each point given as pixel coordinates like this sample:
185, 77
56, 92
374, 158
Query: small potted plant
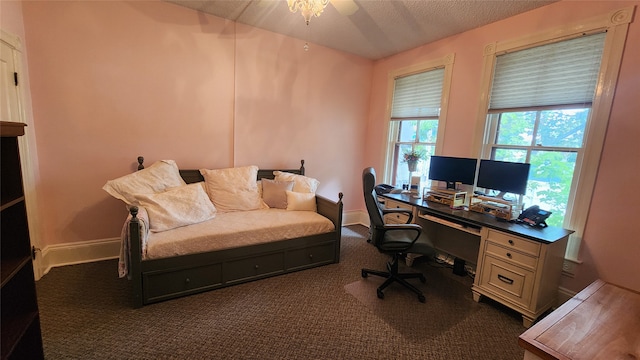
412, 157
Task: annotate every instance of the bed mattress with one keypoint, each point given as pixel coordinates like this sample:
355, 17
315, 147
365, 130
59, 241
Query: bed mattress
236, 229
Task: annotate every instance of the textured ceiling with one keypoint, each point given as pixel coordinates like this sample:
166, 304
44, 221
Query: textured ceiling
372, 29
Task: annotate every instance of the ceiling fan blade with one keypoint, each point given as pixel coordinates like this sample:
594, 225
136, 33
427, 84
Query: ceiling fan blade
345, 7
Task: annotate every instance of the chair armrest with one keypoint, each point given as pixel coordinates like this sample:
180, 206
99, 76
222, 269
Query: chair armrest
393, 227
409, 212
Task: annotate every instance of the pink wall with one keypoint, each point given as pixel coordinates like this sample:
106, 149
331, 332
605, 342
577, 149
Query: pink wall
114, 80
610, 244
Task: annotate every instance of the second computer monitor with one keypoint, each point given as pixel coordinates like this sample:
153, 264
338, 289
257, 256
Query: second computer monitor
503, 176
452, 170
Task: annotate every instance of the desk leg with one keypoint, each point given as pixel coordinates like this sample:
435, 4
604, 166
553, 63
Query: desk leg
527, 321
476, 296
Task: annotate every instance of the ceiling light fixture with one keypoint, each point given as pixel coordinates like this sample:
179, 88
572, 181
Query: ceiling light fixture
308, 8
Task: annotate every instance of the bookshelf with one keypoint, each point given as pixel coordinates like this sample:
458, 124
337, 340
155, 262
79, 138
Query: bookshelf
21, 336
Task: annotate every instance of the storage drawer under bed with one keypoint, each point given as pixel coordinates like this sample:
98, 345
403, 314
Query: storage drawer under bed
310, 256
253, 267
159, 285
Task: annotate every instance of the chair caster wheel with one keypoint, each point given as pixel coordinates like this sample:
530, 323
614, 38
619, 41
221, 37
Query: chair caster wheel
421, 298
364, 274
380, 294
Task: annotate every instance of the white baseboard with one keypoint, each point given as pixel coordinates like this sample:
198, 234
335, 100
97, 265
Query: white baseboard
97, 250
78, 253
355, 217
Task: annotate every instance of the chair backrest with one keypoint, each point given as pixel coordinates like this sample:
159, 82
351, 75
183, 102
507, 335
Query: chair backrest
371, 201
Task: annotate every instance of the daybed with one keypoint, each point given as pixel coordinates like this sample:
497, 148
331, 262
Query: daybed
226, 247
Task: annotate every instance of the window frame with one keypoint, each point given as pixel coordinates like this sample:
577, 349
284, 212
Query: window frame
616, 24
446, 62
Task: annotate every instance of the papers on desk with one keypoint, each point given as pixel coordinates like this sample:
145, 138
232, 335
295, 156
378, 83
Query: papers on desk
469, 229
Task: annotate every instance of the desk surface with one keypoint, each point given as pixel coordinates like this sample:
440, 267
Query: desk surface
600, 322
546, 235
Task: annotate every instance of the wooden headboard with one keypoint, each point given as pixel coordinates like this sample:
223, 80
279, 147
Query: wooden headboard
193, 176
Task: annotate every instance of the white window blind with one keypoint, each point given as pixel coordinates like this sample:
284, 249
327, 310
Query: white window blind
560, 73
418, 96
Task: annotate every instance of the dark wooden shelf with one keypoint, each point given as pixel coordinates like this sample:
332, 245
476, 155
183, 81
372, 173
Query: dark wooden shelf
16, 327
10, 267
20, 321
12, 129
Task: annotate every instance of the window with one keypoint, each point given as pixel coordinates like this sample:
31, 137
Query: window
549, 102
552, 142
538, 113
417, 118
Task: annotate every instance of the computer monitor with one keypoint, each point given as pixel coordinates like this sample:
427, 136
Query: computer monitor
452, 170
503, 176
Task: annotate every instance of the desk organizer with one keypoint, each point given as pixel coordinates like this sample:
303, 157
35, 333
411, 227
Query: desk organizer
499, 208
453, 198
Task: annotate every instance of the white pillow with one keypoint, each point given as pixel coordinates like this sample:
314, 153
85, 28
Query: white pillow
302, 184
301, 201
233, 189
273, 193
176, 207
157, 178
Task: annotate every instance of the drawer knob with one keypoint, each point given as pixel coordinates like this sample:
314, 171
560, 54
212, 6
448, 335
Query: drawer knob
510, 242
509, 255
187, 280
310, 256
256, 267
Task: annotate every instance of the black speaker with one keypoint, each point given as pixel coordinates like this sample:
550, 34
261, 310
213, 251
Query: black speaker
458, 267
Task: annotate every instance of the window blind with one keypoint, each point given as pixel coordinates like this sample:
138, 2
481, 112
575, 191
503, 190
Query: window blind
418, 96
560, 73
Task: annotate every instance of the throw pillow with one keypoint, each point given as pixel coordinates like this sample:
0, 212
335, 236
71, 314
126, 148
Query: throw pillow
302, 183
273, 193
233, 189
157, 178
176, 207
301, 201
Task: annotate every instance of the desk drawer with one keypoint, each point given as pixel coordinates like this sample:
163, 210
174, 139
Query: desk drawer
512, 256
509, 281
514, 242
396, 218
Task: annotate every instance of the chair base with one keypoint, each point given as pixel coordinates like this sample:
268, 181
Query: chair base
392, 275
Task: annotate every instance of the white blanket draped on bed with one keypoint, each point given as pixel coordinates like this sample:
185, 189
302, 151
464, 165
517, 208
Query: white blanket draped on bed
125, 245
229, 230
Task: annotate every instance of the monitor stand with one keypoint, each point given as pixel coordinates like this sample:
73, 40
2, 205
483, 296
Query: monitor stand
451, 185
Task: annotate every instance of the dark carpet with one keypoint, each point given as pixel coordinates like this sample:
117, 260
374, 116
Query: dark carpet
329, 312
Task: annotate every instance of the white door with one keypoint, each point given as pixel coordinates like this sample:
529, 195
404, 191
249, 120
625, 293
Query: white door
9, 104
11, 109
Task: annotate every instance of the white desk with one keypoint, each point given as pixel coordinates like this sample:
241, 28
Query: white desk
517, 265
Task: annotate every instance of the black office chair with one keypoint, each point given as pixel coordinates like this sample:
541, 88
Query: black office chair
391, 239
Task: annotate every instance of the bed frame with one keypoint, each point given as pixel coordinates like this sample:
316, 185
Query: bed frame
156, 280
